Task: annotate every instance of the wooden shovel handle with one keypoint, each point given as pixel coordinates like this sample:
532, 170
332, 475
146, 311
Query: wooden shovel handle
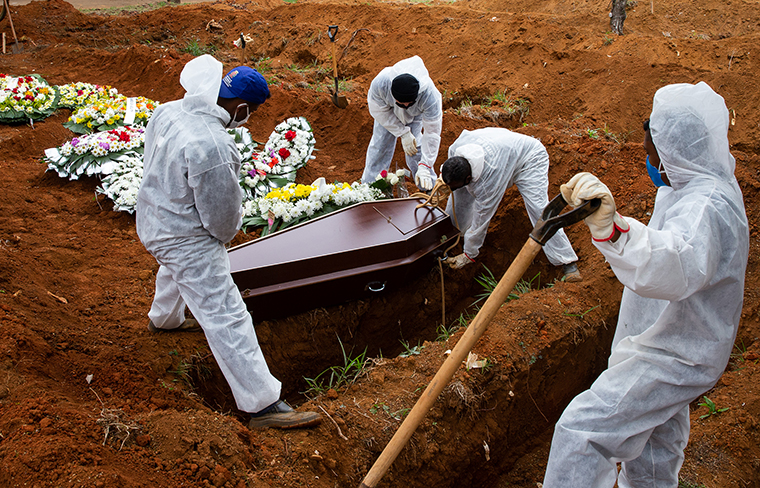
10, 19
335, 62
474, 331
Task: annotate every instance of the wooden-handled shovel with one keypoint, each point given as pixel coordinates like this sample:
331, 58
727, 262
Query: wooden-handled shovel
341, 101
551, 221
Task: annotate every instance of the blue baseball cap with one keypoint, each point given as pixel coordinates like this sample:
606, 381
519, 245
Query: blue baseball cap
246, 83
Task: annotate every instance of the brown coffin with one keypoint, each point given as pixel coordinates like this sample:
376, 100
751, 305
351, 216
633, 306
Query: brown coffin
360, 251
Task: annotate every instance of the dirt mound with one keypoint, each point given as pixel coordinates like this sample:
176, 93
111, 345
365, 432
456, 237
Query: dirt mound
90, 398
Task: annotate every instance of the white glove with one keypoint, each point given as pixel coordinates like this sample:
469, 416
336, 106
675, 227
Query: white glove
459, 261
603, 222
409, 143
425, 177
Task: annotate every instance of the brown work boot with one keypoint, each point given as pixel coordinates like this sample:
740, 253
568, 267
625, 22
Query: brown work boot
572, 275
189, 325
279, 415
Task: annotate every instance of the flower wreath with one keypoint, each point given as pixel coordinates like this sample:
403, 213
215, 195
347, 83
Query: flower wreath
94, 154
288, 149
285, 207
110, 113
123, 183
25, 98
75, 95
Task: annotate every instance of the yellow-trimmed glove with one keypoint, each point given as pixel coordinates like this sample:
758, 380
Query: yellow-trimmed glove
458, 261
602, 223
409, 143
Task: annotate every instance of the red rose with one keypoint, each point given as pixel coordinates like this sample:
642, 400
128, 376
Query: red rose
384, 173
290, 135
284, 153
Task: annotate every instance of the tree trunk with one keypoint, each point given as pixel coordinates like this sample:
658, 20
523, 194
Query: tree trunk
617, 16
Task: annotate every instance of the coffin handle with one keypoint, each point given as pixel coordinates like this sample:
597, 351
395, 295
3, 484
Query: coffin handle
376, 286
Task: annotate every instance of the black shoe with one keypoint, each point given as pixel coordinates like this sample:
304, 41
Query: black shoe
189, 325
279, 415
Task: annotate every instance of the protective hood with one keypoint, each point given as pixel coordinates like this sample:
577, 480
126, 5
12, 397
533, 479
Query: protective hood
415, 67
475, 155
689, 126
201, 78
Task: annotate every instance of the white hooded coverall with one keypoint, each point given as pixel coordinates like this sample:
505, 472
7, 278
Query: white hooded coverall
500, 158
188, 207
684, 285
424, 119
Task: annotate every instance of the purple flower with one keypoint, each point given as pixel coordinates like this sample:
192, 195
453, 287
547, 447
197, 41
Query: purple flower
75, 141
252, 173
105, 146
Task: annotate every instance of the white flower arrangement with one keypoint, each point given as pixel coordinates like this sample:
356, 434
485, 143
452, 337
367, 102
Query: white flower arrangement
24, 98
293, 204
109, 113
288, 149
123, 183
75, 95
94, 154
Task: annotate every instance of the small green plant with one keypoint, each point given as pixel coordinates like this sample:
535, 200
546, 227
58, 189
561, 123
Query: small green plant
193, 368
465, 107
382, 407
592, 133
738, 356
488, 282
608, 40
263, 64
195, 48
582, 314
688, 484
336, 376
517, 106
712, 409
444, 333
410, 351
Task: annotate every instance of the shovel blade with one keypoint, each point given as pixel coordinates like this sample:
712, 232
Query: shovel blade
339, 101
17, 48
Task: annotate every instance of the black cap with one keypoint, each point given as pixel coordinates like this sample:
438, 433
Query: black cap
405, 88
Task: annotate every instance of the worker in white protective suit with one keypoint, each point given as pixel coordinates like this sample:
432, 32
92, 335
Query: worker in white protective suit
405, 104
482, 164
684, 283
188, 208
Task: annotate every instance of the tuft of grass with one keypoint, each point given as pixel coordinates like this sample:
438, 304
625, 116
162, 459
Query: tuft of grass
688, 484
518, 106
410, 351
195, 48
262, 64
712, 409
192, 368
582, 314
445, 333
336, 376
488, 282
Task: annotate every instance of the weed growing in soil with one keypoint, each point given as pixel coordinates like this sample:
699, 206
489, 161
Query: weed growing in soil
712, 409
195, 48
582, 314
336, 376
686, 484
193, 368
410, 351
444, 333
382, 407
488, 281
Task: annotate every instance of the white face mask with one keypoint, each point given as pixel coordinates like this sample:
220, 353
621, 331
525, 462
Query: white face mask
235, 123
